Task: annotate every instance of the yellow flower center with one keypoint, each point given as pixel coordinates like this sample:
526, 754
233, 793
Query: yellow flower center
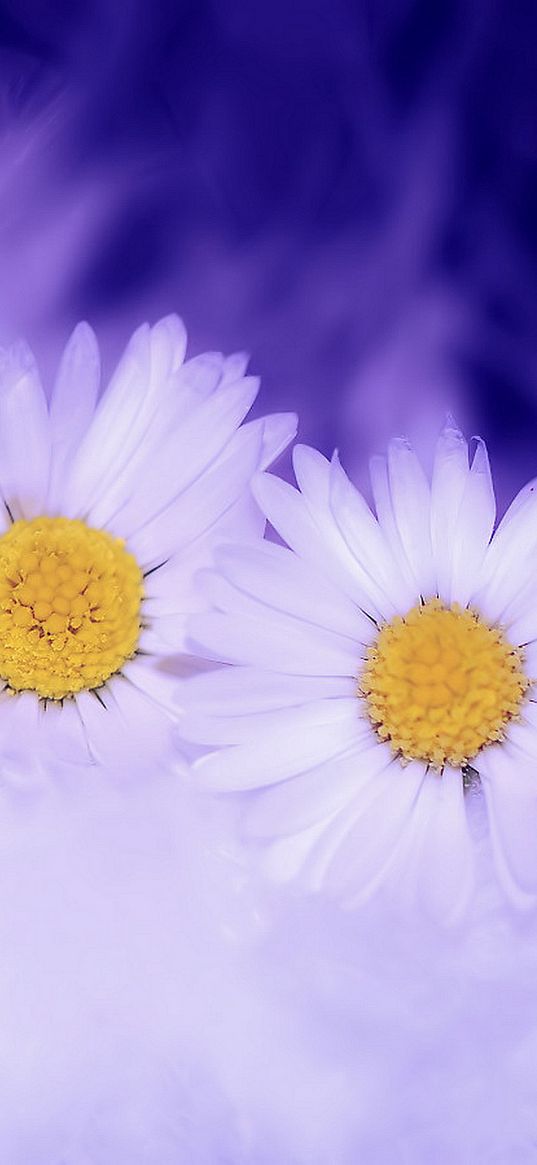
440, 684
69, 606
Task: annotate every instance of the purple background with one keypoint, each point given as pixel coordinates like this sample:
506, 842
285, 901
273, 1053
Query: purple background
347, 190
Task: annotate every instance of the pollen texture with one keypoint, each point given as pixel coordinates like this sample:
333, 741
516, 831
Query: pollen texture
440, 684
70, 600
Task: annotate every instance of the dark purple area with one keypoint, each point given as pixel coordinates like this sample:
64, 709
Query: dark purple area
347, 190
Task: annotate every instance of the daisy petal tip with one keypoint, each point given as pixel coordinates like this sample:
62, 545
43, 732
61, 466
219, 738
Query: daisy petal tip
173, 324
84, 332
341, 486
294, 421
84, 342
289, 423
401, 443
141, 335
174, 329
20, 359
480, 462
450, 423
253, 383
245, 390
309, 467
278, 431
301, 453
241, 357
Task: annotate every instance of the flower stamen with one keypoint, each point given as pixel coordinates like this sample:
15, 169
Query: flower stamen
440, 684
70, 599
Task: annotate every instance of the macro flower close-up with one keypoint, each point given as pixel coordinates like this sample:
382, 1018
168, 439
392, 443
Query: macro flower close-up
268, 712
110, 503
383, 676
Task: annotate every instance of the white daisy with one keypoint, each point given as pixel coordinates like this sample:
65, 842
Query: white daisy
385, 663
108, 508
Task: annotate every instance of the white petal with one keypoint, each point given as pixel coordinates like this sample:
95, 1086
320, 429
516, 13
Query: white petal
436, 866
222, 595
367, 544
152, 677
124, 727
168, 347
278, 644
164, 637
304, 738
288, 512
100, 726
323, 840
39, 739
278, 431
173, 587
380, 485
63, 738
200, 507
281, 580
20, 741
509, 562
244, 520
315, 475
72, 405
522, 732
242, 690
181, 459
518, 613
235, 728
312, 472
376, 826
509, 782
473, 529
311, 797
450, 474
202, 374
287, 857
411, 500
530, 658
136, 409
234, 367
518, 528
24, 435
519, 618
115, 429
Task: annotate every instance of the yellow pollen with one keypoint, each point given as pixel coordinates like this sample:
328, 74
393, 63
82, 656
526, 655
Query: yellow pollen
70, 600
440, 684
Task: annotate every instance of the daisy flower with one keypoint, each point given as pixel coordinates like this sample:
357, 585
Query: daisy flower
383, 664
109, 505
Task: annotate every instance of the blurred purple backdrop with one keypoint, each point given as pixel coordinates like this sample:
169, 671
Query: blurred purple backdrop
347, 190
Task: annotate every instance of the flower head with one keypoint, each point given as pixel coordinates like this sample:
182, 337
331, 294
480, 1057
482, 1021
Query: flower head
109, 504
382, 662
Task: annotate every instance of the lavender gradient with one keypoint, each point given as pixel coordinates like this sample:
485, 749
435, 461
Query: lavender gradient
347, 190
